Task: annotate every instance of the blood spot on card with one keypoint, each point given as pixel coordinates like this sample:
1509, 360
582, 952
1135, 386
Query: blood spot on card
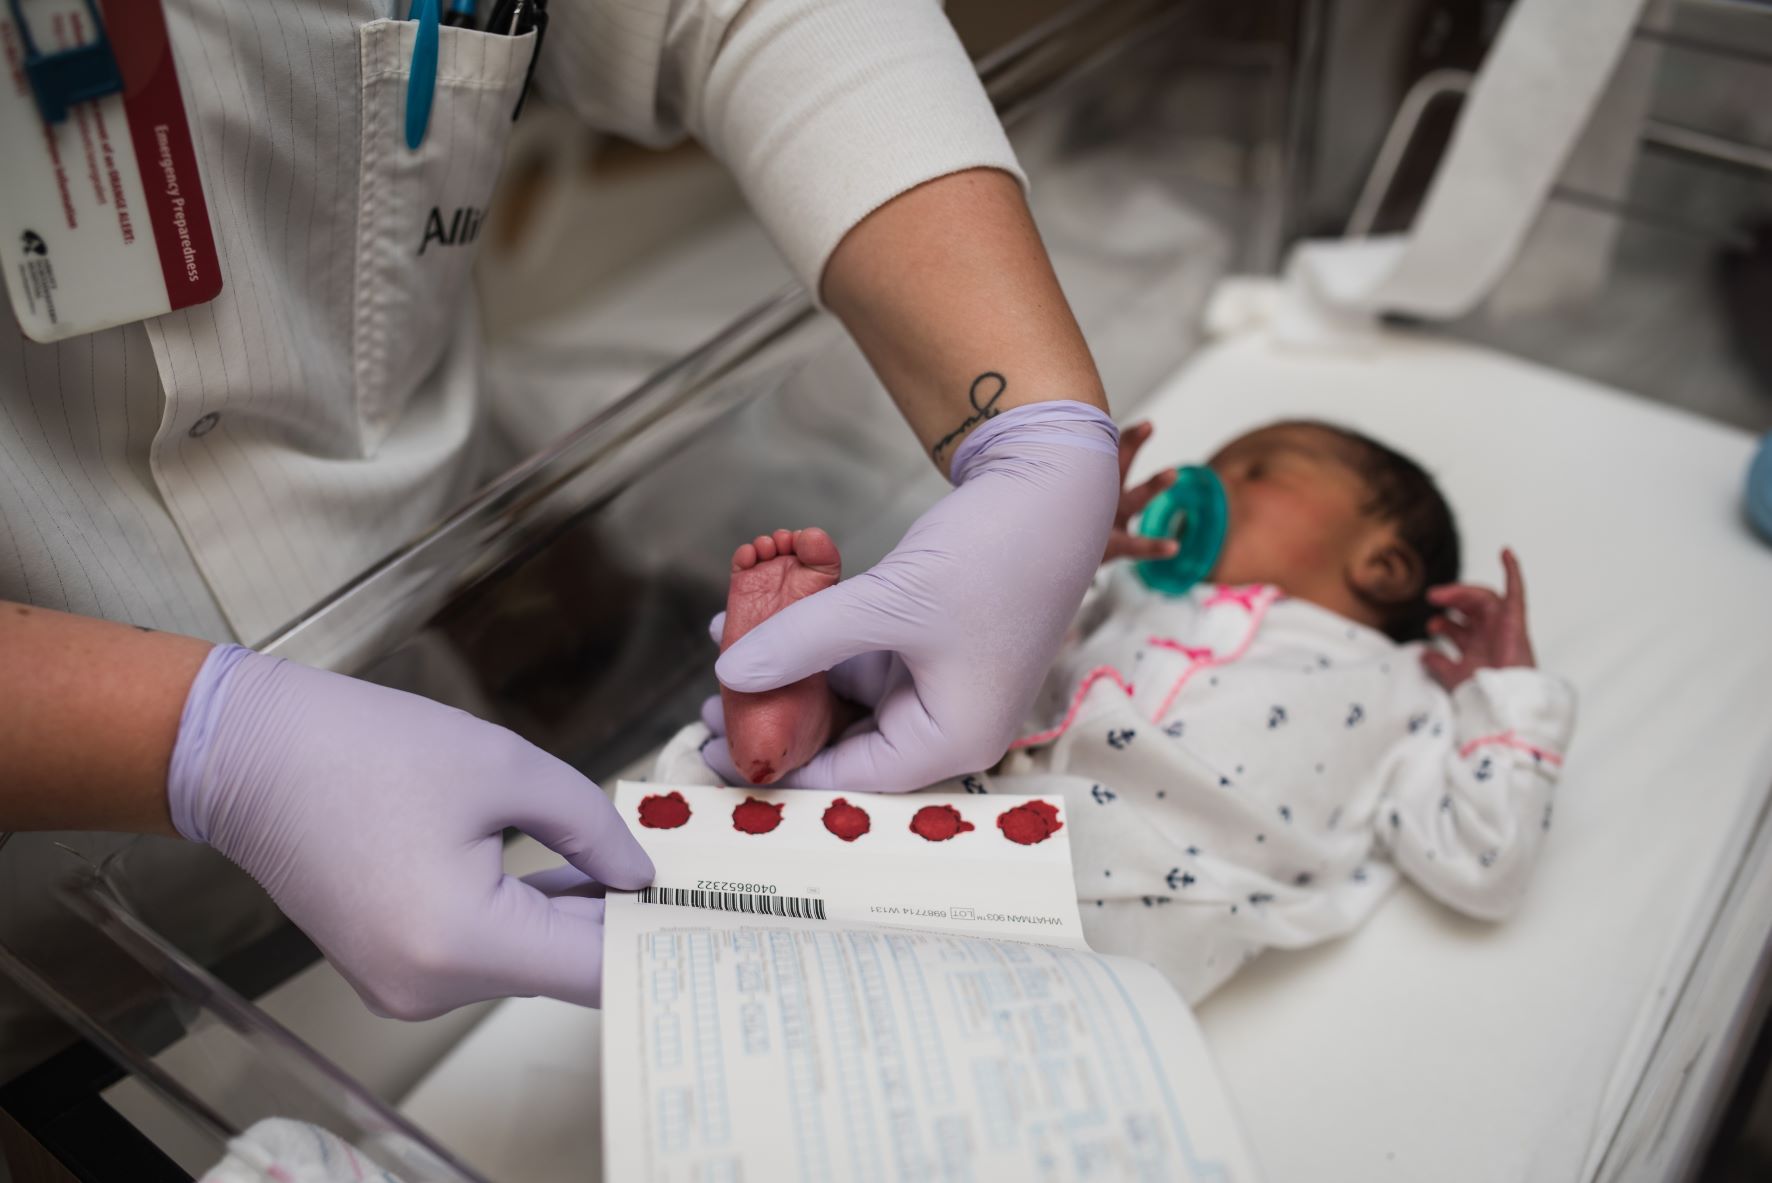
846, 821
938, 823
663, 813
1027, 824
752, 816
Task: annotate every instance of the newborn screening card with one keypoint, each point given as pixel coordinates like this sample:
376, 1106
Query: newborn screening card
941, 862
863, 987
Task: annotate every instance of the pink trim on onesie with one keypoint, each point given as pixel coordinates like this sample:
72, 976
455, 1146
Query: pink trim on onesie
1188, 651
1089, 680
1249, 595
1508, 739
1256, 598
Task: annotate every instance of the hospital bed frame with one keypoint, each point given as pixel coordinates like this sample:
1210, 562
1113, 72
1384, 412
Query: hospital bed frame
1682, 1095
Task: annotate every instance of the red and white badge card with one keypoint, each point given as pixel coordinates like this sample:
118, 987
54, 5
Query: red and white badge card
102, 216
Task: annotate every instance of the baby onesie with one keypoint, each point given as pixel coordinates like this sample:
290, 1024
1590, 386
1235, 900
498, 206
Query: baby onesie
1245, 770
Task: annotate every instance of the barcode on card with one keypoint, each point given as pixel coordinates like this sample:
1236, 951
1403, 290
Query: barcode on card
734, 901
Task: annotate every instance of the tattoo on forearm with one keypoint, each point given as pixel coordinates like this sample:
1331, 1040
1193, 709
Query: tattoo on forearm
980, 410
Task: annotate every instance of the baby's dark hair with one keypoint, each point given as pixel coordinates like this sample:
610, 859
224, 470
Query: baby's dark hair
1403, 494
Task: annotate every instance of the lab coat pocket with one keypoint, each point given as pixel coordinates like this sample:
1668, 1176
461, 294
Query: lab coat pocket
420, 211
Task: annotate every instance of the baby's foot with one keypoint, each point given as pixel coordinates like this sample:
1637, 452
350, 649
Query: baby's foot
772, 733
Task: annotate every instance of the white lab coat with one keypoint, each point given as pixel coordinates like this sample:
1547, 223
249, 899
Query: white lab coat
219, 470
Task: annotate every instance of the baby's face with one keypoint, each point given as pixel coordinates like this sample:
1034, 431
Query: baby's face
1294, 508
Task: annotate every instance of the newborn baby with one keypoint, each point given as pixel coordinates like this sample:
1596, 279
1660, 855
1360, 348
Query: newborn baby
1252, 764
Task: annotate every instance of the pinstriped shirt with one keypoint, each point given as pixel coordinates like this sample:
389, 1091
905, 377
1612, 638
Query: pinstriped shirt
219, 470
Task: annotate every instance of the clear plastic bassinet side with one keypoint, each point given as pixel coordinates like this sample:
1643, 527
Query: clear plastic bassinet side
204, 1064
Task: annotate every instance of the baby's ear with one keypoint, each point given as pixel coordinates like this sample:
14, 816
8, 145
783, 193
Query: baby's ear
1386, 571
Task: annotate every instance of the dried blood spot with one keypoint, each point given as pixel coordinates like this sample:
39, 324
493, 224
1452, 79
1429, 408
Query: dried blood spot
1027, 824
664, 813
752, 816
846, 821
938, 823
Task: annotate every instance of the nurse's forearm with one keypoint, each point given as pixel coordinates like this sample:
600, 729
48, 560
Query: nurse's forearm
91, 710
949, 292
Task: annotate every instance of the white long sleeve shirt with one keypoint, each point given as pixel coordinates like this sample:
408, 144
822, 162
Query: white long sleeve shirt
219, 470
1247, 771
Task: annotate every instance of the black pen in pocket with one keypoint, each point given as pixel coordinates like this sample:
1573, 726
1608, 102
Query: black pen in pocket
513, 18
459, 15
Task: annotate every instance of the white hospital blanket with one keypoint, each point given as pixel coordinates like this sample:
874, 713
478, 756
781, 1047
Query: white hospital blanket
1425, 1046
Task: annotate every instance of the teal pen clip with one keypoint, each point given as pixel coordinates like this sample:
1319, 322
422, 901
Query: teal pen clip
421, 87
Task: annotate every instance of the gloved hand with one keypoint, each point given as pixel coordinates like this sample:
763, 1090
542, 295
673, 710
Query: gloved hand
373, 818
973, 604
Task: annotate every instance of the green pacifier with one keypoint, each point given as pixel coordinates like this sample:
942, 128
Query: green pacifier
1192, 512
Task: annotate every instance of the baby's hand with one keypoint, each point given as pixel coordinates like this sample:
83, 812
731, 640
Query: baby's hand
1122, 543
1489, 630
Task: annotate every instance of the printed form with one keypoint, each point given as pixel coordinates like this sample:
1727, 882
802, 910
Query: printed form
886, 988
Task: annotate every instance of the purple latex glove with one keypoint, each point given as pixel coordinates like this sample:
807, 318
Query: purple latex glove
973, 604
373, 818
